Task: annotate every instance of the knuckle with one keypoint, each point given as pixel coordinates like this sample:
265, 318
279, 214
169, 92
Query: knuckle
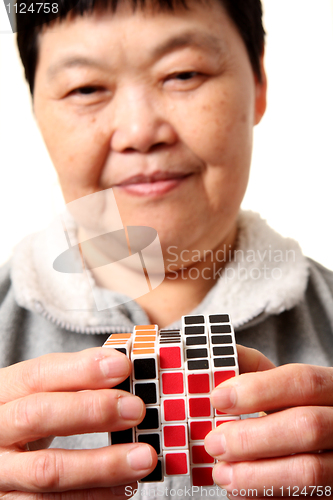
99, 406
93, 407
27, 415
33, 374
311, 428
245, 440
46, 471
310, 381
311, 470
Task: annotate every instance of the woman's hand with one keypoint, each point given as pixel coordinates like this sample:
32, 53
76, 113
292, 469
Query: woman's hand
288, 451
62, 395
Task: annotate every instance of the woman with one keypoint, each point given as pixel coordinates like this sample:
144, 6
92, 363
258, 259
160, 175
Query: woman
158, 105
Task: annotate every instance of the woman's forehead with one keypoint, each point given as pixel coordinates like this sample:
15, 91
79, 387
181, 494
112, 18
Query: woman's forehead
126, 30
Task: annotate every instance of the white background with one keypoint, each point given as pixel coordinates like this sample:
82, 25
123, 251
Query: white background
292, 172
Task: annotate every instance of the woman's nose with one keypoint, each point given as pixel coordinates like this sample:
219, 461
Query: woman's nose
139, 123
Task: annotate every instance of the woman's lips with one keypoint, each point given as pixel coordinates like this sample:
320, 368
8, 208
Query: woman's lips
147, 187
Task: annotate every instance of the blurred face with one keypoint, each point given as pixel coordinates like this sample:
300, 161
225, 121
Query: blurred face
160, 106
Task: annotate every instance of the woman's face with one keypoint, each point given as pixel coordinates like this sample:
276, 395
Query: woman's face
158, 106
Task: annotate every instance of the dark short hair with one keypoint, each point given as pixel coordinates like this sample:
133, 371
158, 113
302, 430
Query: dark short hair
245, 14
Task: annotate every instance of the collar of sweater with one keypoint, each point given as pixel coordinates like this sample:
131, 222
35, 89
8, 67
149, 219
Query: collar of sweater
266, 275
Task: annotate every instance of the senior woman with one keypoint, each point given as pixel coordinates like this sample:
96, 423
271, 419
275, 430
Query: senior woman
157, 102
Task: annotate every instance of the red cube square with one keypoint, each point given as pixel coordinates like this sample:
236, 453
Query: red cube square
172, 382
222, 376
199, 407
176, 463
199, 455
174, 436
202, 476
198, 383
173, 410
170, 357
199, 429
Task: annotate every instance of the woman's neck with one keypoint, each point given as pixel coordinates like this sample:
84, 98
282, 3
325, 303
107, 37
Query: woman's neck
182, 289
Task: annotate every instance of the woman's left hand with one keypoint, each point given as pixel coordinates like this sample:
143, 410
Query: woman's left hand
288, 452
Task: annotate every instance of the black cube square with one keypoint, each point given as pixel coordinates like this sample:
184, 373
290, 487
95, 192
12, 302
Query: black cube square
144, 368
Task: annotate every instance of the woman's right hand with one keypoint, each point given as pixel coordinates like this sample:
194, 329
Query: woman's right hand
62, 395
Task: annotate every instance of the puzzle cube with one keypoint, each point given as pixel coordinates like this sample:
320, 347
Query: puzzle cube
174, 372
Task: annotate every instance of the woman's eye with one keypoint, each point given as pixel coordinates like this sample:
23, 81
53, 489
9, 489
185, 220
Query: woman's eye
184, 80
186, 75
85, 90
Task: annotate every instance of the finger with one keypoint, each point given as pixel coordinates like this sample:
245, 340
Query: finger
296, 430
57, 470
305, 470
63, 414
251, 360
114, 493
95, 368
282, 387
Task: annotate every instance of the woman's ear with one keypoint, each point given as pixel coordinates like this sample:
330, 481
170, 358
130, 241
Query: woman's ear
261, 93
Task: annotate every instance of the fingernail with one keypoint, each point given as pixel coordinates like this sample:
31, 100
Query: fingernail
130, 407
140, 458
222, 474
114, 366
215, 444
224, 398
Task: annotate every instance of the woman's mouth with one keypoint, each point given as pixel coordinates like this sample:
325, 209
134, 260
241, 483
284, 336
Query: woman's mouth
156, 184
